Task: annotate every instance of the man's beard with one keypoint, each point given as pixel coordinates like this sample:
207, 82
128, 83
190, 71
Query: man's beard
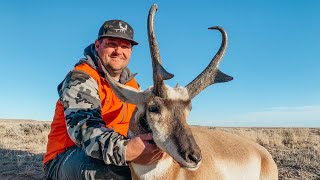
114, 70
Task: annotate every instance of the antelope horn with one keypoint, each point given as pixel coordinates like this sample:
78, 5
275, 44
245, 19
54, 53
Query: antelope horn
159, 73
211, 74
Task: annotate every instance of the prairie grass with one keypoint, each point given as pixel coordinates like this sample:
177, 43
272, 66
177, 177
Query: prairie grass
295, 150
22, 144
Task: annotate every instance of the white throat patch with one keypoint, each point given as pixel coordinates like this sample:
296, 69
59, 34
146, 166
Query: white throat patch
153, 171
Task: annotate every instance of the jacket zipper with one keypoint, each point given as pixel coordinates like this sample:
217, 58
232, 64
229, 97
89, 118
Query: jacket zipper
124, 111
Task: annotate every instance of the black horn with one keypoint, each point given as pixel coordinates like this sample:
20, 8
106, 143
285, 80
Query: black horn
211, 74
159, 73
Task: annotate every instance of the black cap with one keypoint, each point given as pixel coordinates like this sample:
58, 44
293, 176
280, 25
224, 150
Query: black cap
118, 29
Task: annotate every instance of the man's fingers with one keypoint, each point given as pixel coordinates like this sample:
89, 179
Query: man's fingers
146, 136
152, 147
156, 157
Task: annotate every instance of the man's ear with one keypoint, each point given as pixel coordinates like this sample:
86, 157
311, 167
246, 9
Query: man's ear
96, 44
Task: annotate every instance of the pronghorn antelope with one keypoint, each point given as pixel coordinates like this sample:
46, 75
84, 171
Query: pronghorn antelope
191, 152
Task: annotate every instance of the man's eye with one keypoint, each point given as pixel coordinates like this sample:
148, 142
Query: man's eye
110, 44
125, 47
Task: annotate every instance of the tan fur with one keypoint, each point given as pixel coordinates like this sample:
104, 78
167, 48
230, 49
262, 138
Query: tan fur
239, 157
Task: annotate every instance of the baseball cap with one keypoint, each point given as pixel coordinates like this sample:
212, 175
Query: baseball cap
118, 29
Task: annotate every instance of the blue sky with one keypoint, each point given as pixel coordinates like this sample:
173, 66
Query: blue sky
273, 55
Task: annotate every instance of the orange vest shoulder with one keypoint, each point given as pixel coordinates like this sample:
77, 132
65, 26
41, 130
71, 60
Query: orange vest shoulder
115, 113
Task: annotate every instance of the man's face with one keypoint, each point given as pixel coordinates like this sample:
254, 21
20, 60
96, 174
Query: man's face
114, 53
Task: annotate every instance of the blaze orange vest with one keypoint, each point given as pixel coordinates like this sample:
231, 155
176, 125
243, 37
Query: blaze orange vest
115, 114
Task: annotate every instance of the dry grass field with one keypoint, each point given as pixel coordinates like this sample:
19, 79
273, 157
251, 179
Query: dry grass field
295, 150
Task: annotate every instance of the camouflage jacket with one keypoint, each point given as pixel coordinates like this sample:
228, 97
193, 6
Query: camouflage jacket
79, 95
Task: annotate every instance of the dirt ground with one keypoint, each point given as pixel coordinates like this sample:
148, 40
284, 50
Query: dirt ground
295, 150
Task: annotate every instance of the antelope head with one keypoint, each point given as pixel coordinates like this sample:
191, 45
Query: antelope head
164, 110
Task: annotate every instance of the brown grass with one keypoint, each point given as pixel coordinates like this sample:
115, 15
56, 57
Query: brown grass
22, 144
295, 150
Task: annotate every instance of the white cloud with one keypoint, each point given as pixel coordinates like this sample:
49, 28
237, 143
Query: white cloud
299, 108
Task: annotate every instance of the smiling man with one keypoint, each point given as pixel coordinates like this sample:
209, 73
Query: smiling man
88, 137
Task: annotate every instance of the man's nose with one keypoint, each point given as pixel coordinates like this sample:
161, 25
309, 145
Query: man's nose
118, 50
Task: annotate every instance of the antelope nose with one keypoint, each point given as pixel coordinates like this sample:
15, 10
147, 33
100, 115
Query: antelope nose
193, 157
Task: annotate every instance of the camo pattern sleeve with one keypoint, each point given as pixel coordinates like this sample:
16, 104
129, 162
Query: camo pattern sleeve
82, 108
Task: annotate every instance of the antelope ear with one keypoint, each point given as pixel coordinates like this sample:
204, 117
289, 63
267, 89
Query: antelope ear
126, 93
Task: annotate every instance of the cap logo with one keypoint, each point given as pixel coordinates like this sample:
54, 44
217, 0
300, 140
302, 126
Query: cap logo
121, 29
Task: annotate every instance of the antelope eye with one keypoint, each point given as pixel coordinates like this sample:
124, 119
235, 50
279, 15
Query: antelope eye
153, 109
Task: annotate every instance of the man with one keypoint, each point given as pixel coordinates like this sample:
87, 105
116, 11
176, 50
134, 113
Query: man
88, 138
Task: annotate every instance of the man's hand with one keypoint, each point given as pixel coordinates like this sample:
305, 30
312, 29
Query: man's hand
140, 151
